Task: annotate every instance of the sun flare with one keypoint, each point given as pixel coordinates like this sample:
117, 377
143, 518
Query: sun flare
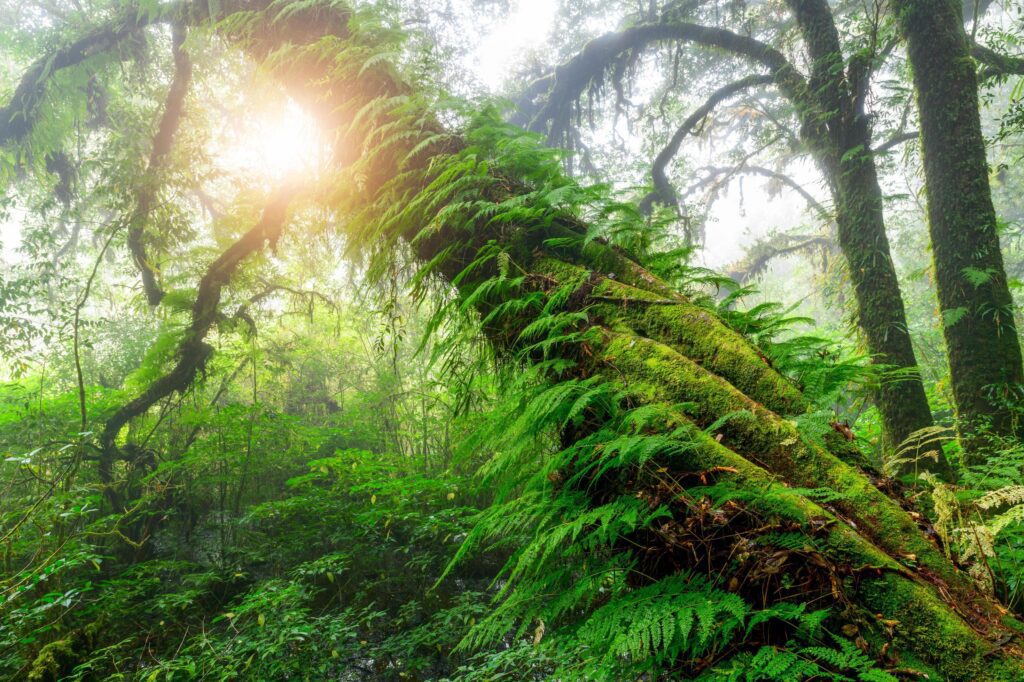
280, 143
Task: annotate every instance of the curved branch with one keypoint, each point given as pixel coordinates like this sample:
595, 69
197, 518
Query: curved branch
716, 171
18, 117
169, 124
310, 295
593, 61
194, 352
765, 251
896, 140
526, 107
663, 192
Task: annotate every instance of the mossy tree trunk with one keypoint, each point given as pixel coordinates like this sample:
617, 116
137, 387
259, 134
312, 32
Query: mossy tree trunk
899, 395
984, 353
839, 134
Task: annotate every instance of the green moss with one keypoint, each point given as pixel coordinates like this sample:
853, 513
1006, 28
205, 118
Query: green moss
57, 659
54, 660
934, 633
692, 330
704, 452
657, 373
928, 635
705, 339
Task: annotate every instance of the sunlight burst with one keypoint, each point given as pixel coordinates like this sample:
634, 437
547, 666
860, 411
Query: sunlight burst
276, 144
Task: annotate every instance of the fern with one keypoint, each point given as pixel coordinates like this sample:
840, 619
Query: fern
679, 616
1006, 496
842, 663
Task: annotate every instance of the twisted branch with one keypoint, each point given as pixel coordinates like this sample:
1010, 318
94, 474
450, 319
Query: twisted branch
574, 76
663, 192
194, 352
169, 124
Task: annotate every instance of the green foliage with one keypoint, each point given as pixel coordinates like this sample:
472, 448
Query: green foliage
330, 499
676, 617
572, 585
981, 519
844, 663
822, 368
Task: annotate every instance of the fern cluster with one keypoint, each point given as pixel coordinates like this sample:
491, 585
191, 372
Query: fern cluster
981, 517
842, 663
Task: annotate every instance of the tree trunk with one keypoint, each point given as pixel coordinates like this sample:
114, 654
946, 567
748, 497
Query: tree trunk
984, 353
841, 140
881, 315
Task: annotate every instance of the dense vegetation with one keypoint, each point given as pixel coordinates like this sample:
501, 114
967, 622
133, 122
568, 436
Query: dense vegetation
417, 394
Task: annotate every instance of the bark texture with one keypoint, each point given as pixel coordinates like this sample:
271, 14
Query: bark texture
984, 353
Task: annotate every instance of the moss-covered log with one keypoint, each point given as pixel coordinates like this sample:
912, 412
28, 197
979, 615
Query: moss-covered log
885, 587
403, 191
409, 179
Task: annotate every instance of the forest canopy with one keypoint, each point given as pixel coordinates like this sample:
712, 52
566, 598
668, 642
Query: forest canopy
511, 340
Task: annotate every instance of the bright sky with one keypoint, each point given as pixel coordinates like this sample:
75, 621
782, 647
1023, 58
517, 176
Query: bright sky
737, 219
526, 28
282, 141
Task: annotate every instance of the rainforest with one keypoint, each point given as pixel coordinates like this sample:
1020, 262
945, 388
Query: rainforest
484, 340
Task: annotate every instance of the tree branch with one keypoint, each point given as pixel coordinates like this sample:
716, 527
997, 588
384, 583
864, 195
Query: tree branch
996, 63
194, 352
594, 60
895, 141
716, 171
18, 117
169, 124
765, 251
663, 192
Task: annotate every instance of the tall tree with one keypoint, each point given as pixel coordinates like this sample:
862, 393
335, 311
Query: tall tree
843, 150
983, 349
